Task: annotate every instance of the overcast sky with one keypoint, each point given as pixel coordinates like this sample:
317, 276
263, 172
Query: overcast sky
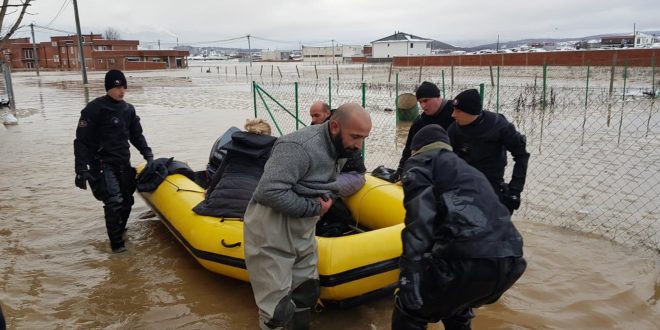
316, 22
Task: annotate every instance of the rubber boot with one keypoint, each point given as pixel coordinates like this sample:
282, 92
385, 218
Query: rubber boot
301, 320
460, 321
402, 320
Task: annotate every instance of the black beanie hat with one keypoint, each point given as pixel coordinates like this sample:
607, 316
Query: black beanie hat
468, 101
427, 89
427, 135
114, 78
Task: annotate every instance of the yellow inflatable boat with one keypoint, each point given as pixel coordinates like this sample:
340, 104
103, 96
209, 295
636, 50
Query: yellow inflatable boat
351, 268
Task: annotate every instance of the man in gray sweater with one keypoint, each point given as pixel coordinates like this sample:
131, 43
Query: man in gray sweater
297, 187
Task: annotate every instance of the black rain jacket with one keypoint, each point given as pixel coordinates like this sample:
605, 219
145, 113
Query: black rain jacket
452, 211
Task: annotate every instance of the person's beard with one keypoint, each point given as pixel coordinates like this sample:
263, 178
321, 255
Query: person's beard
338, 142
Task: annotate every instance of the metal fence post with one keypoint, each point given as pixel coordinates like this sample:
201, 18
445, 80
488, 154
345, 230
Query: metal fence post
482, 87
330, 92
396, 97
364, 105
254, 97
653, 96
545, 84
295, 86
623, 99
586, 103
9, 86
443, 84
497, 96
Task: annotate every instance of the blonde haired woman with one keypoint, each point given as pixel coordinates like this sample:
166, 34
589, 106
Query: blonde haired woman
234, 182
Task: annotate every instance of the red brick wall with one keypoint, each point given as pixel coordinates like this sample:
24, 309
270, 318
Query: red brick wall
634, 57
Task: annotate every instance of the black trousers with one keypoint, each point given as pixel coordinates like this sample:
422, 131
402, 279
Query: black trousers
115, 186
451, 288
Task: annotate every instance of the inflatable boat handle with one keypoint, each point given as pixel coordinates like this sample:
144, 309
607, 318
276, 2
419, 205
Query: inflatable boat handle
237, 244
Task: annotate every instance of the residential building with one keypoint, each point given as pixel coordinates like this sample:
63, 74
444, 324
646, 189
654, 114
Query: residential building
401, 44
326, 54
63, 53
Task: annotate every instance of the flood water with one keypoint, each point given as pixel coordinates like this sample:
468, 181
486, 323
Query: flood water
57, 272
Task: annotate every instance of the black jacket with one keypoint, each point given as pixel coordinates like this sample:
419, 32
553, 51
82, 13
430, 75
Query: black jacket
104, 129
442, 117
483, 144
234, 182
452, 211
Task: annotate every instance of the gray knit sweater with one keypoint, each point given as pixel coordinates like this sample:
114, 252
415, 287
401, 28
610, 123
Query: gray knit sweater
302, 166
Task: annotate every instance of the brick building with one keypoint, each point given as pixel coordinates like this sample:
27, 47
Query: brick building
62, 53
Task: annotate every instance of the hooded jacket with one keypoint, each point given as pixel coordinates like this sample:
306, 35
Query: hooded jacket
237, 177
452, 211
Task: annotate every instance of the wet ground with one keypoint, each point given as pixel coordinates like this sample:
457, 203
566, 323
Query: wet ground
57, 272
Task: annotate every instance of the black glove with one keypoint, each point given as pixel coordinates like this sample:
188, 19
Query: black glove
510, 198
82, 178
396, 176
409, 283
150, 161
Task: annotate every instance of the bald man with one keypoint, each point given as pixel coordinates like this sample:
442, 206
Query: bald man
350, 179
320, 112
297, 187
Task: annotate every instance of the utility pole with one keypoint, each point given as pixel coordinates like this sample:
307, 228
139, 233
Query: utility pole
249, 50
158, 44
34, 50
497, 49
80, 43
333, 51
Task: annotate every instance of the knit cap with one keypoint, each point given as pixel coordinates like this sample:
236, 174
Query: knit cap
114, 78
427, 135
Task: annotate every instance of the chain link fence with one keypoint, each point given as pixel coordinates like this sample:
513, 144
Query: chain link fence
593, 133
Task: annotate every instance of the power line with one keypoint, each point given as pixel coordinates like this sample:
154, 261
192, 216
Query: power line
64, 4
214, 41
52, 29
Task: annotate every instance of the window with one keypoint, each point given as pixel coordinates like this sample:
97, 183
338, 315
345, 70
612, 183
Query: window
29, 65
27, 53
56, 58
411, 45
111, 61
133, 59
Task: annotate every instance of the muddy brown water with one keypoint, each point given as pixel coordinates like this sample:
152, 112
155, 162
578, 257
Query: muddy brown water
56, 270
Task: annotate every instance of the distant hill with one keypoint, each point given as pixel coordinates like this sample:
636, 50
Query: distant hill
516, 43
439, 45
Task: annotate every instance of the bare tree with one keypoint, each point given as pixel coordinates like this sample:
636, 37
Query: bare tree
112, 34
22, 6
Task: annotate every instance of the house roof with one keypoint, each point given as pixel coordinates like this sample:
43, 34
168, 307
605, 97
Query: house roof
401, 36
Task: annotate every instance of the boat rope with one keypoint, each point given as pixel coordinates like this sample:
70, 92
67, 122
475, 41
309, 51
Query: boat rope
182, 189
177, 187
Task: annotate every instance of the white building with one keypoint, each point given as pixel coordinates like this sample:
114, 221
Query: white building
401, 44
643, 40
326, 54
275, 55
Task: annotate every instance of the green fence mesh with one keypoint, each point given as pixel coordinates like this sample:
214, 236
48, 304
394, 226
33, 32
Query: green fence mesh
593, 133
